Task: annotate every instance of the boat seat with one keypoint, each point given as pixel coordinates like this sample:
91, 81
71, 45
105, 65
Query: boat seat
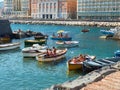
100, 62
114, 59
107, 61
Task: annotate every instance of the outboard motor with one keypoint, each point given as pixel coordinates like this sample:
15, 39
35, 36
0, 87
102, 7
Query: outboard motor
117, 53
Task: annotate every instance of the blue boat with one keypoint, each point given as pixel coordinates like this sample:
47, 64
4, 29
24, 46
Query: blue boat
117, 53
110, 32
61, 38
107, 32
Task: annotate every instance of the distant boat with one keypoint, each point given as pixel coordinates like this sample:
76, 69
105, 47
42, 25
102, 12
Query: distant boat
67, 44
111, 31
9, 46
62, 36
85, 30
59, 55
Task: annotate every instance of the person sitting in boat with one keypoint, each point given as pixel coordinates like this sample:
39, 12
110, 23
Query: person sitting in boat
54, 51
60, 35
74, 60
81, 58
50, 52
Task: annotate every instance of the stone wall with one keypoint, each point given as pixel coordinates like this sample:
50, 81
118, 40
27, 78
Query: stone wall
5, 28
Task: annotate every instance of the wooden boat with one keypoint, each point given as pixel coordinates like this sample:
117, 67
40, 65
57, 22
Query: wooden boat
59, 55
92, 65
9, 46
78, 65
31, 42
33, 51
67, 44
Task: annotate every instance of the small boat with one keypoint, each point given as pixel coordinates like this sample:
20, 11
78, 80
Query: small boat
39, 36
33, 51
31, 42
59, 55
67, 44
92, 65
78, 65
85, 30
111, 31
9, 46
62, 36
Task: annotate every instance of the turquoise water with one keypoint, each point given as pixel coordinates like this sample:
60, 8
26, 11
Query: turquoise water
17, 73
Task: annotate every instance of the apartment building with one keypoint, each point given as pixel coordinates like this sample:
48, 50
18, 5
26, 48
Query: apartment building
98, 9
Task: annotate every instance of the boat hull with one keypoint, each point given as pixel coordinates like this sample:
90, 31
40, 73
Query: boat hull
77, 66
9, 46
61, 39
92, 65
31, 42
58, 57
30, 55
68, 44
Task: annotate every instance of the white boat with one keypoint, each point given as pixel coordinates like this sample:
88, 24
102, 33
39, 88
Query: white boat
59, 55
34, 50
68, 43
9, 46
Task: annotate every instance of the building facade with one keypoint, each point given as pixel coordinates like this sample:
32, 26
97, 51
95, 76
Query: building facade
98, 9
44, 9
16, 8
53, 9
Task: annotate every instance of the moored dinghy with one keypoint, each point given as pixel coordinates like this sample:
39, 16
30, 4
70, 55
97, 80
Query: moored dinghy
59, 55
9, 46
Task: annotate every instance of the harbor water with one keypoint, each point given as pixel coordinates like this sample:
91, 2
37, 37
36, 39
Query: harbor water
18, 73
